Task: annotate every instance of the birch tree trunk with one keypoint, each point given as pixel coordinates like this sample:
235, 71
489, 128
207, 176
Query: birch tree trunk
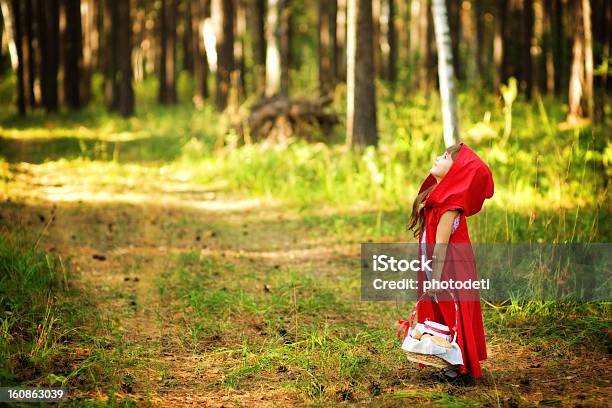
272, 49
448, 91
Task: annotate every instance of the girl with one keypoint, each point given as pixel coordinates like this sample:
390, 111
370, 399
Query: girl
456, 187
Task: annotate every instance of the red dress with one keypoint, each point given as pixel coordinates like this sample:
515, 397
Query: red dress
465, 187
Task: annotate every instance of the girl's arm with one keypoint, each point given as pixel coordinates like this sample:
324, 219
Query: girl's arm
443, 233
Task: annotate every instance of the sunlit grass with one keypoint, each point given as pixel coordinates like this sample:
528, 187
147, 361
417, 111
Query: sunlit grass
550, 183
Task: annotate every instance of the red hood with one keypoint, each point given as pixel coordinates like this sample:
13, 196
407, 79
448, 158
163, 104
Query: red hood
466, 185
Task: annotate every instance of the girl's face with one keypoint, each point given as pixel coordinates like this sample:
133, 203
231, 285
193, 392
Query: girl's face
441, 166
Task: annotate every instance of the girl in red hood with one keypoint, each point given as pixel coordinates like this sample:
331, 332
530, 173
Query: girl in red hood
456, 187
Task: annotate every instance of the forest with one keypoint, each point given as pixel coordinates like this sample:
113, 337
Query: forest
186, 186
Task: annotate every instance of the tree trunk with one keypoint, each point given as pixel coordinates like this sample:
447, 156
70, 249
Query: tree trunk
259, 46
527, 29
188, 46
72, 53
559, 55
224, 12
2, 66
52, 54
431, 52
21, 101
239, 29
324, 46
111, 96
454, 23
273, 74
88, 15
333, 23
124, 34
448, 91
169, 52
41, 49
547, 48
378, 71
30, 56
588, 58
10, 34
499, 44
576, 82
341, 41
479, 40
423, 44
392, 41
199, 10
285, 45
162, 92
361, 94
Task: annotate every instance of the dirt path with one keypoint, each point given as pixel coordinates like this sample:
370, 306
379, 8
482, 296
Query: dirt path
126, 239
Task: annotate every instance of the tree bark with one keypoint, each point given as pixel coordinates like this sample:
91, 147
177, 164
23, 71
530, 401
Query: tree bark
167, 79
576, 82
378, 69
259, 46
361, 93
559, 55
499, 44
454, 22
448, 91
479, 40
29, 51
224, 11
547, 48
41, 50
111, 96
162, 94
2, 66
18, 21
72, 53
52, 53
588, 58
285, 45
392, 41
199, 9
88, 14
324, 47
423, 44
124, 34
527, 29
340, 40
239, 30
273, 60
333, 28
188, 46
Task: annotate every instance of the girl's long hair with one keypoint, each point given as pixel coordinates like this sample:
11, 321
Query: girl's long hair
417, 218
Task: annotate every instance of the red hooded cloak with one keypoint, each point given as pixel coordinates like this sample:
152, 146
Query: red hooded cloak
465, 187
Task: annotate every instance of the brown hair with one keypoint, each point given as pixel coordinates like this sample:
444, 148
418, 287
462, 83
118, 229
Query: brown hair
417, 218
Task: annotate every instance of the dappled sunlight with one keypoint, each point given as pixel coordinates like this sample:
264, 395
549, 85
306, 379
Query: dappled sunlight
101, 182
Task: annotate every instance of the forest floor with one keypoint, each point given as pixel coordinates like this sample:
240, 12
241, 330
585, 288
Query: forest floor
224, 300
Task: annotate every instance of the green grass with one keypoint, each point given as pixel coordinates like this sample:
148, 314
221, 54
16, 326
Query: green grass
301, 328
50, 332
551, 183
276, 325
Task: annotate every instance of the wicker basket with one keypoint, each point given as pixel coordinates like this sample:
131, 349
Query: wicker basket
431, 360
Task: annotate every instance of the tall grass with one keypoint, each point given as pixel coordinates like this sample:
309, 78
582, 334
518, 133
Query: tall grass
50, 333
